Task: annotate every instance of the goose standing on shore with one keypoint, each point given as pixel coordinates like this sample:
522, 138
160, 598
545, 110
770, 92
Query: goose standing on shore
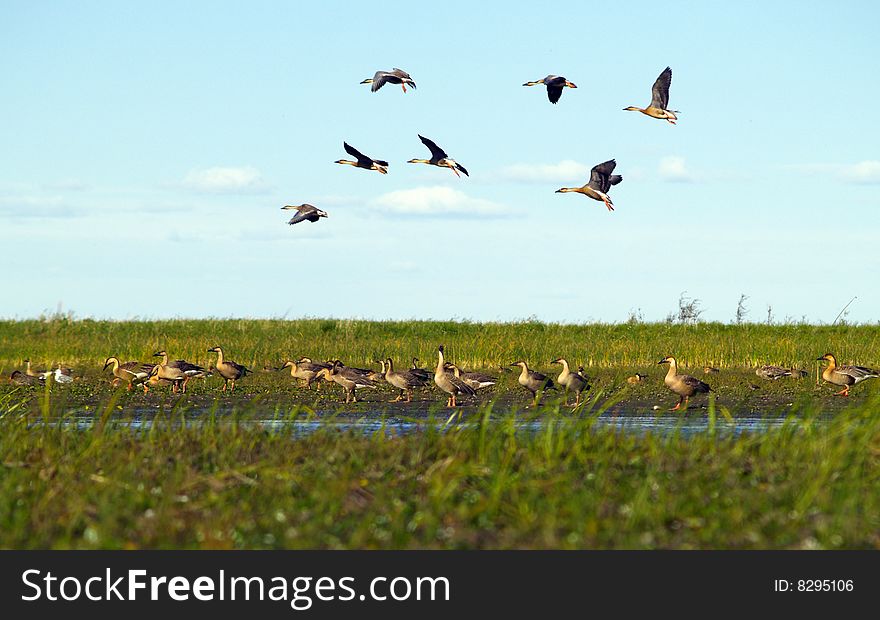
570, 381
533, 381
39, 373
229, 370
683, 385
350, 381
422, 373
306, 371
476, 380
395, 76
363, 161
659, 99
599, 184
439, 158
847, 376
554, 84
405, 380
133, 373
448, 382
177, 372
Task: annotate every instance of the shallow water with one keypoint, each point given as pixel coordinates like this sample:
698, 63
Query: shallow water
368, 423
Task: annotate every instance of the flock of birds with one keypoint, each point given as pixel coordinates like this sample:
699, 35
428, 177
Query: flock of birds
447, 376
602, 176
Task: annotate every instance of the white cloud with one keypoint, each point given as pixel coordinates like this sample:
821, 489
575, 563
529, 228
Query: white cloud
226, 180
674, 169
863, 172
564, 171
436, 201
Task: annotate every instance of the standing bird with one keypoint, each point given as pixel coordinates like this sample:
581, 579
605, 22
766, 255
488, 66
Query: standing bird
405, 381
845, 375
600, 183
571, 381
533, 381
439, 158
306, 212
62, 375
133, 373
304, 371
683, 385
395, 76
178, 372
348, 380
554, 84
229, 370
421, 373
39, 373
476, 380
362, 160
448, 382
659, 99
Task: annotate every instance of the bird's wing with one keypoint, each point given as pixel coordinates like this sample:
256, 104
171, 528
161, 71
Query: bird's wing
858, 372
356, 153
379, 79
460, 384
660, 90
614, 179
696, 384
554, 92
402, 74
599, 175
436, 151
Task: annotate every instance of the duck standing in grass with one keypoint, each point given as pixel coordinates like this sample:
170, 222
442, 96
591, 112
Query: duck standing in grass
570, 380
535, 382
683, 385
599, 184
659, 105
133, 373
846, 376
554, 84
448, 382
229, 370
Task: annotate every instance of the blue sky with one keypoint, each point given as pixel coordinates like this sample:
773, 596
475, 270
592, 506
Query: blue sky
147, 151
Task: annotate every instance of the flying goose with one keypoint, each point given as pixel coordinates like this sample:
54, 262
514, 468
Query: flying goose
659, 99
362, 160
683, 385
599, 184
395, 76
439, 158
554, 84
306, 212
845, 375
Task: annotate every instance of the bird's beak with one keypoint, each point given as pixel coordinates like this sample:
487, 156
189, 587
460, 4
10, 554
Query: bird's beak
367, 81
106, 366
819, 359
157, 354
560, 191
571, 84
663, 362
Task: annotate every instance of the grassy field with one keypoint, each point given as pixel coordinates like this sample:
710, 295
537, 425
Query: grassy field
483, 482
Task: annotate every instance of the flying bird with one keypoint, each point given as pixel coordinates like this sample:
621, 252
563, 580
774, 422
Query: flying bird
439, 158
395, 76
306, 212
362, 160
600, 182
659, 99
554, 84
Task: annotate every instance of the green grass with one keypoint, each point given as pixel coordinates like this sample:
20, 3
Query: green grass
228, 483
225, 484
